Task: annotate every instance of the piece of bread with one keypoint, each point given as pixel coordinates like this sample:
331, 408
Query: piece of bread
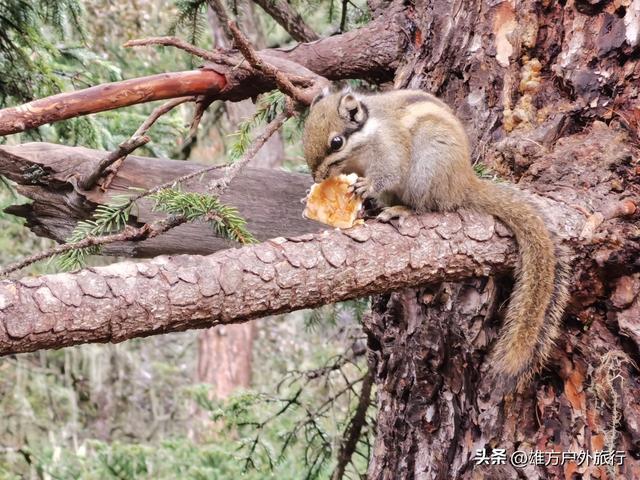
330, 202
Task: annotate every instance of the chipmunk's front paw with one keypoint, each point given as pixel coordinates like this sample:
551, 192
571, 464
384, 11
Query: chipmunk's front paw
363, 187
398, 211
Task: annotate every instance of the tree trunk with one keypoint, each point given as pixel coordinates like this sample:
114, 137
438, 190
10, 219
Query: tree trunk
224, 358
225, 352
549, 94
534, 82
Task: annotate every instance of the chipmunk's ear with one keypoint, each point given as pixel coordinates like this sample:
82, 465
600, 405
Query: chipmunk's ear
324, 93
352, 109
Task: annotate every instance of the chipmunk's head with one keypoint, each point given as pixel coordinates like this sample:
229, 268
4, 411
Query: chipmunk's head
331, 133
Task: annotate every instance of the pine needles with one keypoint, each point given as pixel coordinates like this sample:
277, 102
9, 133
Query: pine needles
191, 17
106, 219
268, 108
194, 206
21, 34
329, 315
187, 206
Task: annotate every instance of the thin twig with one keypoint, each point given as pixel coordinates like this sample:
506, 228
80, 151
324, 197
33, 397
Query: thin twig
233, 168
128, 234
137, 140
201, 106
216, 57
356, 7
125, 148
202, 103
282, 80
112, 172
221, 184
354, 429
159, 111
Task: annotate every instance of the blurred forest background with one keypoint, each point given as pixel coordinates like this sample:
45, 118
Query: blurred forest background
151, 408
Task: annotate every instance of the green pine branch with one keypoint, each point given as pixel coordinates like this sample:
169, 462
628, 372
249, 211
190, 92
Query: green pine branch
225, 220
269, 106
110, 218
113, 217
191, 17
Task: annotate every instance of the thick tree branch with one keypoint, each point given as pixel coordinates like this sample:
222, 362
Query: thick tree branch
282, 80
126, 300
147, 231
283, 274
288, 19
108, 97
48, 173
370, 52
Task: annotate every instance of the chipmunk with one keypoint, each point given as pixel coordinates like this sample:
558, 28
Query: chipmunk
411, 154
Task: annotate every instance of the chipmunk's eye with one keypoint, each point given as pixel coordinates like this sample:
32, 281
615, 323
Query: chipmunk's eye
337, 143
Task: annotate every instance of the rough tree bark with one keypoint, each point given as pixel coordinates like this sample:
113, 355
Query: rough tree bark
533, 80
174, 293
549, 93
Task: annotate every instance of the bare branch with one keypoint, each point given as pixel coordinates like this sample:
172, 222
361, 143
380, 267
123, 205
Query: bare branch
217, 57
111, 174
370, 52
108, 97
221, 12
281, 79
160, 111
288, 19
202, 103
125, 148
354, 429
218, 186
126, 300
297, 74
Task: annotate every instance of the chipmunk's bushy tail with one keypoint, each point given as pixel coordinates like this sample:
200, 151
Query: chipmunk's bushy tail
540, 295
